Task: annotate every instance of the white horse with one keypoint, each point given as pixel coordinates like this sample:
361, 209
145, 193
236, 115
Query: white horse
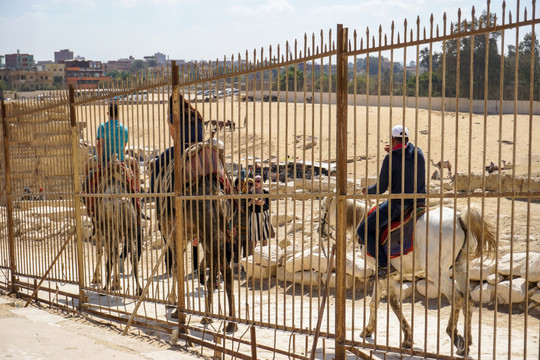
434, 240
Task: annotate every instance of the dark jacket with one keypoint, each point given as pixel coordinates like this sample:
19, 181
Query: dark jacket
260, 208
190, 133
408, 173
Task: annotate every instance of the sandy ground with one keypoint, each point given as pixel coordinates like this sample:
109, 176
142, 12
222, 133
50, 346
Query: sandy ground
34, 333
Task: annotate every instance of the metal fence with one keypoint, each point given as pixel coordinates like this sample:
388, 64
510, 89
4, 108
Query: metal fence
312, 120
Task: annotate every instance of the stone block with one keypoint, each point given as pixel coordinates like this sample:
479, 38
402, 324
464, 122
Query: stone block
517, 291
487, 292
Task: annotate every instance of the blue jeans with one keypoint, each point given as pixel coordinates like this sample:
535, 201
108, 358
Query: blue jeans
372, 242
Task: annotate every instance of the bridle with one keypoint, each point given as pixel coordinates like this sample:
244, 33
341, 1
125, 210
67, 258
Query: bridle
324, 222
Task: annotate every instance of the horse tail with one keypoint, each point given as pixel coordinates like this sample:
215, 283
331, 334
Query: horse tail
475, 225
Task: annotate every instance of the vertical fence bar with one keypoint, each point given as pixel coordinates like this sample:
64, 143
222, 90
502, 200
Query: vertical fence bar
77, 192
178, 202
9, 203
341, 132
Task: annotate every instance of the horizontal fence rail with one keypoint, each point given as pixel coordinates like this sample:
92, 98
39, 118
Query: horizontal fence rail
207, 202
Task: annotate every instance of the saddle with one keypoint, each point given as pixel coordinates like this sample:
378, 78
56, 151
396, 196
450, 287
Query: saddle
203, 159
116, 169
396, 228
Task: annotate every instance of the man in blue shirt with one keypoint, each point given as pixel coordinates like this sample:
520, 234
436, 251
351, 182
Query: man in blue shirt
392, 176
112, 137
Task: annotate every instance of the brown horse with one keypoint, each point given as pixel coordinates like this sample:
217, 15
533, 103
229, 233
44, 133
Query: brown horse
204, 219
116, 222
220, 124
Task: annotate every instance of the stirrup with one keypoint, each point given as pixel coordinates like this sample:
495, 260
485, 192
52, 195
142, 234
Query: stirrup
382, 273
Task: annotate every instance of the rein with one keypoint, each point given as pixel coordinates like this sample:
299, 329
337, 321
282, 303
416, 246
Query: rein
324, 221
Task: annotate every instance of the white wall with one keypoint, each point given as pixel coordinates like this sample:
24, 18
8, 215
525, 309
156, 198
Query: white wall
492, 106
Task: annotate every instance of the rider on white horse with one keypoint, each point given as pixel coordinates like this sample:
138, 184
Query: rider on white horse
391, 176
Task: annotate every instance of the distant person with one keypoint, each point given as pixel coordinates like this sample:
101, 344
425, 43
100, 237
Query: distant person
259, 224
414, 159
240, 222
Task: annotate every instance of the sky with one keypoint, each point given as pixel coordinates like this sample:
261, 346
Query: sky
203, 29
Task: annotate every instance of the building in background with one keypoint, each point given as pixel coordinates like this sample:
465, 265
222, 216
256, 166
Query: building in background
85, 74
160, 58
62, 55
2, 65
58, 72
20, 61
120, 64
40, 65
27, 80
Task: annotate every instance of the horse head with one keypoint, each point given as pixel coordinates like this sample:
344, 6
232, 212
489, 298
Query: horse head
328, 208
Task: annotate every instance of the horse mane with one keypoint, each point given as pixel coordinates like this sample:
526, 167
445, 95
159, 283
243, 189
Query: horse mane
355, 210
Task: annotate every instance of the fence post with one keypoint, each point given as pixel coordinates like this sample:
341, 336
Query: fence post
77, 193
9, 203
178, 202
341, 131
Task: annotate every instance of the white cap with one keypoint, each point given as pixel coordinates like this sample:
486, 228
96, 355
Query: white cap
397, 131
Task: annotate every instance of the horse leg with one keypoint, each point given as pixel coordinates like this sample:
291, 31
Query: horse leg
108, 264
395, 303
135, 254
96, 278
456, 299
208, 301
171, 270
228, 279
378, 288
172, 295
467, 303
467, 313
115, 257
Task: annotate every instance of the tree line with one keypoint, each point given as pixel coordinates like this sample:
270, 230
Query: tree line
452, 64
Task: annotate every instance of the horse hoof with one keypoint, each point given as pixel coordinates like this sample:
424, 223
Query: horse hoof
406, 344
366, 333
460, 345
206, 321
174, 314
231, 327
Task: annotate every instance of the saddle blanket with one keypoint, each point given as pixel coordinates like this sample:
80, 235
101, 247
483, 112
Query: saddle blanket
93, 183
203, 159
396, 227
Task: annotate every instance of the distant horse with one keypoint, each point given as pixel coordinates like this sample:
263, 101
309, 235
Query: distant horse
230, 124
116, 221
469, 243
206, 220
215, 123
220, 124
